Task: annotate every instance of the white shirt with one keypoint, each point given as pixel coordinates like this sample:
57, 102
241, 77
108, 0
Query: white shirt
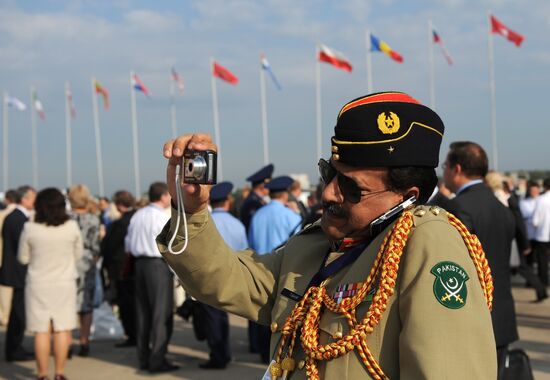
527, 208
144, 227
26, 212
541, 218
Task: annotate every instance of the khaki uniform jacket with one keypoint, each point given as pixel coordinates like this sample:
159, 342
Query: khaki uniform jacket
417, 337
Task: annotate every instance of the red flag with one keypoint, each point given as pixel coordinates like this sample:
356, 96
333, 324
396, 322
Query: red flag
224, 74
334, 58
503, 30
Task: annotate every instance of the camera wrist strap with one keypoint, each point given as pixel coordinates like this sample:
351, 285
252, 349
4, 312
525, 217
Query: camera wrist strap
181, 211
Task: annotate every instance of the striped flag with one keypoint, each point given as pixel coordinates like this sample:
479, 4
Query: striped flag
334, 58
267, 67
12, 101
99, 89
437, 40
178, 79
38, 105
139, 85
379, 45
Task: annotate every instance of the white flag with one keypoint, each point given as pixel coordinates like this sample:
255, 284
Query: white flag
12, 101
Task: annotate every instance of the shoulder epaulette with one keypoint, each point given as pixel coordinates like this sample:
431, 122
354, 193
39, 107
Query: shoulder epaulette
309, 228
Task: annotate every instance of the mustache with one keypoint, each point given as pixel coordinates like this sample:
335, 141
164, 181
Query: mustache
334, 209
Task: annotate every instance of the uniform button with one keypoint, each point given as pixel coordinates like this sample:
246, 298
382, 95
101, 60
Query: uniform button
337, 335
335, 157
435, 210
334, 149
301, 364
274, 327
420, 213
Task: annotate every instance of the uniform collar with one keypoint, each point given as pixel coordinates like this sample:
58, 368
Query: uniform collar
347, 243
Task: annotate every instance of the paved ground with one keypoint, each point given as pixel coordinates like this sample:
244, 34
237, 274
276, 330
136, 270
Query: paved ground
107, 362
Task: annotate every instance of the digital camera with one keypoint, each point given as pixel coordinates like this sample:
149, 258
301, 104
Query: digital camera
200, 167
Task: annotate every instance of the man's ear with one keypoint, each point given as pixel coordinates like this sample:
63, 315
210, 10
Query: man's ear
457, 169
413, 191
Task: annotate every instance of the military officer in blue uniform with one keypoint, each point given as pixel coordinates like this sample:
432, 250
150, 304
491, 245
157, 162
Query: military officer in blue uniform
254, 201
256, 198
274, 223
270, 227
216, 321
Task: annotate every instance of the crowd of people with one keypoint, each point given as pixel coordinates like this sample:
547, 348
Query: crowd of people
58, 247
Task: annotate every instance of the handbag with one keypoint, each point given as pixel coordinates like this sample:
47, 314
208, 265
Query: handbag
517, 366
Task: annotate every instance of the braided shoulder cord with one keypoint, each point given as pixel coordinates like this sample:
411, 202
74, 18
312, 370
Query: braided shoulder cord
306, 315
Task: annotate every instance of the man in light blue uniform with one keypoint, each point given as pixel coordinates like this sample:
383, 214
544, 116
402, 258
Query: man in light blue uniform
274, 223
270, 227
216, 322
230, 228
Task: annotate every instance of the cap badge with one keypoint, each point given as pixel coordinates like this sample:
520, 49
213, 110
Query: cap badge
388, 123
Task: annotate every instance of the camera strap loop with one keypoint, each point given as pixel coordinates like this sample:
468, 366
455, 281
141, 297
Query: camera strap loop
180, 206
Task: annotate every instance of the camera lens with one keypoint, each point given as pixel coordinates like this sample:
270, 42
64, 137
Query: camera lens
197, 167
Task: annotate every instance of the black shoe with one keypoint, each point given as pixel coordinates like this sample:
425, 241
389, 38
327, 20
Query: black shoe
212, 365
166, 367
126, 343
84, 350
20, 356
541, 296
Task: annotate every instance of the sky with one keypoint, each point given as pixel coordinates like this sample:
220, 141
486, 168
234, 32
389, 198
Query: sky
47, 43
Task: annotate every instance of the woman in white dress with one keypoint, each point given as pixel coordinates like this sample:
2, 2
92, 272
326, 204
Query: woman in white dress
51, 246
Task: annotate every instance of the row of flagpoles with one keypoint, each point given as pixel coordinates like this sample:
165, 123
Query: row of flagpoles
324, 55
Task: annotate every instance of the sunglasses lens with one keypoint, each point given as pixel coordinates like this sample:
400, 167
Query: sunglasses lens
349, 188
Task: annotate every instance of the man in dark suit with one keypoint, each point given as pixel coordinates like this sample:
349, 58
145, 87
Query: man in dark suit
117, 263
13, 274
493, 223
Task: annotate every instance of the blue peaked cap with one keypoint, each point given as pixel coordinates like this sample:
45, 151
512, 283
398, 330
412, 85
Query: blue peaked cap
281, 183
220, 191
261, 175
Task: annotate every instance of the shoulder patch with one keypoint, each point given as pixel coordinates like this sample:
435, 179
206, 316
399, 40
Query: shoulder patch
450, 288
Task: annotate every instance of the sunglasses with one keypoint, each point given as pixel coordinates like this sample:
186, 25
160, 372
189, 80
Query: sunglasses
351, 191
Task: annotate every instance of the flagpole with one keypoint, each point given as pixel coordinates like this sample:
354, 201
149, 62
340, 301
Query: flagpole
263, 102
493, 96
68, 134
97, 141
432, 64
173, 109
5, 119
318, 103
216, 118
34, 141
135, 137
369, 61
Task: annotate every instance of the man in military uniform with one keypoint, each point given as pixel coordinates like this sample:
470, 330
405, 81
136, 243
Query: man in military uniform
254, 201
216, 321
375, 289
271, 226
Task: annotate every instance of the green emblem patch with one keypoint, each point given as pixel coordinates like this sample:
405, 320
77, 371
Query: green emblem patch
450, 284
